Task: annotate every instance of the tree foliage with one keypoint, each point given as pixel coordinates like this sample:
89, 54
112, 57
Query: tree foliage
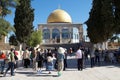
35, 38
24, 17
5, 27
117, 15
101, 21
5, 6
13, 40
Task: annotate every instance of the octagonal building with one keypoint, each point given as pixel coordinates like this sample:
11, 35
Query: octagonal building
60, 29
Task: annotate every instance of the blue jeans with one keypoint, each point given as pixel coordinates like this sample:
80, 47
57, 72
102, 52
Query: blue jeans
10, 66
2, 66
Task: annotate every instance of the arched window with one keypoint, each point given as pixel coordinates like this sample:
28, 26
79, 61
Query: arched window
55, 34
75, 33
46, 34
65, 33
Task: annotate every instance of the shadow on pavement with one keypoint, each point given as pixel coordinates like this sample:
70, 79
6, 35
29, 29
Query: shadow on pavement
33, 74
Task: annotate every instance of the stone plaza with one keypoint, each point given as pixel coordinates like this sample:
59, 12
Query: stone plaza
107, 71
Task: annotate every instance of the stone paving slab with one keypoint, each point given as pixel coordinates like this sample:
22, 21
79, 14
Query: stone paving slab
104, 72
96, 73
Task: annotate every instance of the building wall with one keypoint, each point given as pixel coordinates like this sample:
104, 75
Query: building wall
75, 30
3, 45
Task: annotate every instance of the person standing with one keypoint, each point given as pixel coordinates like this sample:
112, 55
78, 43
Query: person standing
92, 57
11, 63
111, 56
39, 60
65, 60
34, 52
2, 61
32, 55
79, 57
60, 59
70, 51
97, 57
49, 64
26, 58
16, 59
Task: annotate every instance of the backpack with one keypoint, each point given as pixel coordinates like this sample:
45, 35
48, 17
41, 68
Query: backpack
39, 57
32, 55
16, 58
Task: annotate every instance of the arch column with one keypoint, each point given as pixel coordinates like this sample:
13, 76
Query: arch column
60, 35
80, 33
70, 34
51, 41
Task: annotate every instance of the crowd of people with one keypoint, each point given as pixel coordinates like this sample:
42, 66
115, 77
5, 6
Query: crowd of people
11, 59
35, 58
56, 59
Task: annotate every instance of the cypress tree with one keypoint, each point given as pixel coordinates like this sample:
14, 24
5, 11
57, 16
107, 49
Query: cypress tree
117, 15
107, 19
24, 17
101, 21
93, 22
13, 40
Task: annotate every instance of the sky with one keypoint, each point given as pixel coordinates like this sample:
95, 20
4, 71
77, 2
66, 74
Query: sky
77, 9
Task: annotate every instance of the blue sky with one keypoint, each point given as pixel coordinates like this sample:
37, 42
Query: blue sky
77, 9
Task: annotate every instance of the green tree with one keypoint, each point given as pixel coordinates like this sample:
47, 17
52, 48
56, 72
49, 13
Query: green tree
13, 40
24, 17
117, 15
101, 21
5, 27
5, 6
35, 38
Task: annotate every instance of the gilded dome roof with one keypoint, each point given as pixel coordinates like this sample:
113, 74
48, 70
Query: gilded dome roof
59, 16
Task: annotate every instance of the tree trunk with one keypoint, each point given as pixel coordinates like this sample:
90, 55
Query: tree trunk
20, 50
105, 45
24, 46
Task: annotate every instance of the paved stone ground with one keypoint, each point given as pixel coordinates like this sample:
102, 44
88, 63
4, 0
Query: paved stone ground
107, 71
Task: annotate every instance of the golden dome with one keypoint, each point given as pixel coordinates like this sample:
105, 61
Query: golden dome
59, 16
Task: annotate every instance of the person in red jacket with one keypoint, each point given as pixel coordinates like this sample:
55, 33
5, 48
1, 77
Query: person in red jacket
2, 61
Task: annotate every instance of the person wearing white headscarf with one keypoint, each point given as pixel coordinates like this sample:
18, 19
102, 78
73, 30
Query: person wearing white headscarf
60, 59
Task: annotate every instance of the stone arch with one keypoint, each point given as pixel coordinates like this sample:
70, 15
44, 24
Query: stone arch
65, 33
46, 34
56, 35
75, 35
